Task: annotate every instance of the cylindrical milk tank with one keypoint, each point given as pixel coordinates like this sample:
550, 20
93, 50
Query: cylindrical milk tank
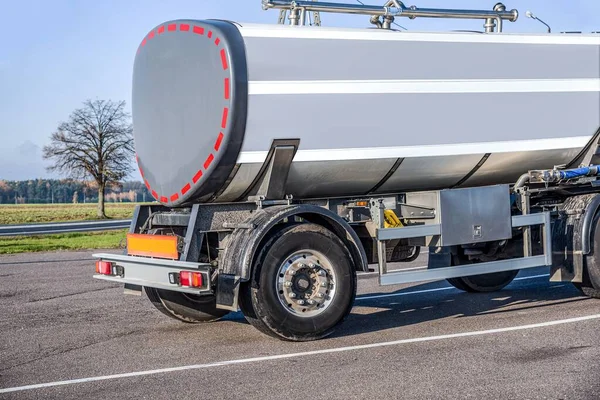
375, 111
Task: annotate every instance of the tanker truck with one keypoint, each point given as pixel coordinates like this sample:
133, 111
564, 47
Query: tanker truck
285, 159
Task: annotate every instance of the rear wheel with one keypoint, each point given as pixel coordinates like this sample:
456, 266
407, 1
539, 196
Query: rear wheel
482, 283
181, 306
590, 285
303, 284
185, 307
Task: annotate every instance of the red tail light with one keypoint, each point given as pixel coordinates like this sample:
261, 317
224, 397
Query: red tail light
104, 267
190, 279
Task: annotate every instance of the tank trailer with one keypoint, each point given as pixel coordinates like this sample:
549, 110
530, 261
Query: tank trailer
287, 158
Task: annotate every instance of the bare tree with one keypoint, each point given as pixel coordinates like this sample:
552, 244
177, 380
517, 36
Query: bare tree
96, 142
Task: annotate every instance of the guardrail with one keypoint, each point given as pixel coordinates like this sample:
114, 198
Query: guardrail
63, 227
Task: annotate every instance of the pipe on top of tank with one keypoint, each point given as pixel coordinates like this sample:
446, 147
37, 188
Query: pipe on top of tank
395, 8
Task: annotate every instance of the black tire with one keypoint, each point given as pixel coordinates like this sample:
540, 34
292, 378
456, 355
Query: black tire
590, 285
484, 283
458, 283
185, 307
259, 299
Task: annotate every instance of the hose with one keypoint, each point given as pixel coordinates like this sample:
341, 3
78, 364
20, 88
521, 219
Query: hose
577, 172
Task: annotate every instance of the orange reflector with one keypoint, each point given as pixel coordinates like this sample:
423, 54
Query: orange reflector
159, 246
362, 204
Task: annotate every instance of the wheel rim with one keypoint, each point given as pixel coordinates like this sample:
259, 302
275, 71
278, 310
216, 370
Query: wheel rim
305, 283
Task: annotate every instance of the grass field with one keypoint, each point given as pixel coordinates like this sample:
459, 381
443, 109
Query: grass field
39, 213
66, 241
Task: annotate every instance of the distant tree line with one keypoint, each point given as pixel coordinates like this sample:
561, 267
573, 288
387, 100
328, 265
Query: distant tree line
47, 191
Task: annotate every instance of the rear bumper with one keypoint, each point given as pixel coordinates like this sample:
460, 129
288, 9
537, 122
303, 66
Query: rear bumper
153, 272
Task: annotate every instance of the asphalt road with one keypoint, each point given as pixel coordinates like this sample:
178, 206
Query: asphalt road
69, 332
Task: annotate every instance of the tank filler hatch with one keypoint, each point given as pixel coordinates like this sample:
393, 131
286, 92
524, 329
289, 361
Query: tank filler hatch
383, 16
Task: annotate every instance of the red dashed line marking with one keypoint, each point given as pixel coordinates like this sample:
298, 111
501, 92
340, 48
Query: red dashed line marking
197, 177
198, 30
219, 140
226, 88
224, 58
224, 120
208, 161
137, 160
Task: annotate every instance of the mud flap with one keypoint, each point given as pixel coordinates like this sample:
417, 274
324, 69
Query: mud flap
571, 236
227, 292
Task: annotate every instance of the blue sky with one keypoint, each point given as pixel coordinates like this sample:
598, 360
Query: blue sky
55, 54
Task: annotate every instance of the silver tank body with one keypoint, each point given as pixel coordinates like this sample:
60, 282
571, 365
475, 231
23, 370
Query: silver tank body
374, 111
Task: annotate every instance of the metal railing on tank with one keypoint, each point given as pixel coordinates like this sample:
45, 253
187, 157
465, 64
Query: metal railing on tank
383, 16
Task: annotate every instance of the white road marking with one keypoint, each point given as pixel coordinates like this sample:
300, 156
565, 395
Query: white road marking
454, 149
429, 86
381, 296
296, 355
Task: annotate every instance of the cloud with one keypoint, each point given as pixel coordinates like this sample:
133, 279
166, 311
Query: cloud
23, 162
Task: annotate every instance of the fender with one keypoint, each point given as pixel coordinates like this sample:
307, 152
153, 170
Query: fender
587, 226
244, 242
572, 236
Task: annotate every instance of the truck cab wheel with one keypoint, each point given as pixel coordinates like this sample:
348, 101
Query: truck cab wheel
185, 307
303, 284
590, 285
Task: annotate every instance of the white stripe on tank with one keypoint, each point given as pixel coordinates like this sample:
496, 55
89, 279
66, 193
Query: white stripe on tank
305, 32
369, 153
423, 86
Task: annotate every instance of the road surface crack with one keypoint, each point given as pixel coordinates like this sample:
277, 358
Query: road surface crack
58, 353
70, 294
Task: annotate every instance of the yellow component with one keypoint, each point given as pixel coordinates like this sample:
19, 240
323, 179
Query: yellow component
391, 220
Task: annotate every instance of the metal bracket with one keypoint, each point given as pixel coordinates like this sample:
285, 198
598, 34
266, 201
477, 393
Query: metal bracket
317, 18
272, 179
282, 15
590, 150
411, 211
591, 153
395, 277
193, 237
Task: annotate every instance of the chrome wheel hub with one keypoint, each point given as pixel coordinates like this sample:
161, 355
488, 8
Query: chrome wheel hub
306, 283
